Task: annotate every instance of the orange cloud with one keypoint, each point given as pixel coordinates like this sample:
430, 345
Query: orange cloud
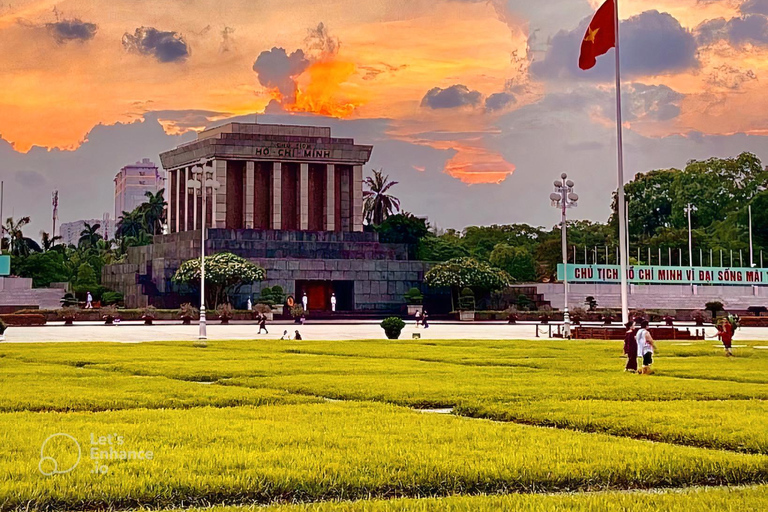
321, 90
475, 165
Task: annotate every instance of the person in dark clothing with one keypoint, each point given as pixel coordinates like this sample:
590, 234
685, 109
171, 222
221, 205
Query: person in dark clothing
297, 336
263, 324
425, 319
630, 347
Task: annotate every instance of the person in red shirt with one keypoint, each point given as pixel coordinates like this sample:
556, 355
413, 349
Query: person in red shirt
726, 335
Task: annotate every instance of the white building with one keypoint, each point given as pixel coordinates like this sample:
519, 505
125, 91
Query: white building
70, 231
133, 182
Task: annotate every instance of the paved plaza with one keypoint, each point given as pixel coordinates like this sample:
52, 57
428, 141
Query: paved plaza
137, 332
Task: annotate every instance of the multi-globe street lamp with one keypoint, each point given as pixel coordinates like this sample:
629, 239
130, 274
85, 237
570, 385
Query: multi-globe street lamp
688, 210
203, 181
563, 198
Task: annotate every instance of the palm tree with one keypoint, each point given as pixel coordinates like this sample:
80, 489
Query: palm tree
130, 224
378, 204
48, 242
154, 212
89, 236
19, 244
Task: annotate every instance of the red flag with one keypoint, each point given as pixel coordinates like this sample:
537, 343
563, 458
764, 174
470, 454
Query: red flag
600, 36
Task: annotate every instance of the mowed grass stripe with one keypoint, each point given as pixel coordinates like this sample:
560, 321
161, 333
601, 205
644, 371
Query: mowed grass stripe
672, 500
48, 387
737, 425
336, 451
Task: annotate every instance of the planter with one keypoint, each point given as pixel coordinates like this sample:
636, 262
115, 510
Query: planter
512, 319
69, 321
148, 320
415, 308
224, 320
186, 320
109, 320
544, 319
467, 316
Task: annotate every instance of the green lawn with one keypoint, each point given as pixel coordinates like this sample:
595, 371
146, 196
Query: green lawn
248, 422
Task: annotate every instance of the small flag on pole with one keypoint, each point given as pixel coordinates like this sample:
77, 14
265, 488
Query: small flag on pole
600, 36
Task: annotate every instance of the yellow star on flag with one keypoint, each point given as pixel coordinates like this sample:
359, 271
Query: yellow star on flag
591, 35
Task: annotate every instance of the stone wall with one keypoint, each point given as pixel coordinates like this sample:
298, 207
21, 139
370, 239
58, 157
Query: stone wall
381, 272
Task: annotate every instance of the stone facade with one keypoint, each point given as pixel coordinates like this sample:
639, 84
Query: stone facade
379, 273
289, 198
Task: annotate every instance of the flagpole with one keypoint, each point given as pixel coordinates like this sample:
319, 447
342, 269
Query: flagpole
621, 206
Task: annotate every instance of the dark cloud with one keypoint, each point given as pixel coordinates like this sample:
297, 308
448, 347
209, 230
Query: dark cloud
64, 31
651, 102
320, 43
277, 69
755, 7
652, 43
163, 46
452, 97
749, 29
499, 101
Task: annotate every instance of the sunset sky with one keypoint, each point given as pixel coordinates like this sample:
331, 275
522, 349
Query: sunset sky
474, 106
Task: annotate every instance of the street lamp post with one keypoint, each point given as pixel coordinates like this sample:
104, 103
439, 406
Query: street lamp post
751, 252
200, 185
563, 198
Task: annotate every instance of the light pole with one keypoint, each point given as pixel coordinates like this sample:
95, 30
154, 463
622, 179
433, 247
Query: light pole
200, 185
563, 197
751, 253
688, 209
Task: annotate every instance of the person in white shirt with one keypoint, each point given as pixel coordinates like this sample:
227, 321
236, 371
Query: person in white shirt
305, 302
645, 347
89, 301
333, 302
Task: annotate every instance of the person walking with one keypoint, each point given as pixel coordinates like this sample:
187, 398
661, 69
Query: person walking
630, 347
89, 301
263, 323
725, 332
418, 318
425, 319
645, 347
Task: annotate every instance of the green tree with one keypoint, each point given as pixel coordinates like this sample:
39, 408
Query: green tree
518, 262
154, 212
47, 242
89, 236
19, 244
131, 224
403, 228
43, 268
377, 203
225, 273
440, 248
461, 273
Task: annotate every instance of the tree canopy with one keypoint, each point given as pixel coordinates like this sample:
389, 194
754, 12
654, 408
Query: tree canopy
225, 273
467, 273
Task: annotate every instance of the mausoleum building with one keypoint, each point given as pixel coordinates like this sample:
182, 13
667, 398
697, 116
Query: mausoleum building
289, 198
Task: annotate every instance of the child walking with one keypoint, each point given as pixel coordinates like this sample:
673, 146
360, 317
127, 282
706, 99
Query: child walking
645, 347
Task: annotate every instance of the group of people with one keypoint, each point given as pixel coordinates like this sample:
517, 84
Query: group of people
422, 318
287, 336
639, 344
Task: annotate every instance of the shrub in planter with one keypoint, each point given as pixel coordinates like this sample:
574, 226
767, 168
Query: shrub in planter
225, 312
414, 297
109, 314
591, 303
393, 326
278, 295
68, 314
714, 307
467, 300
109, 298
524, 303
69, 299
578, 314
187, 312
701, 316
148, 314
297, 312
608, 316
